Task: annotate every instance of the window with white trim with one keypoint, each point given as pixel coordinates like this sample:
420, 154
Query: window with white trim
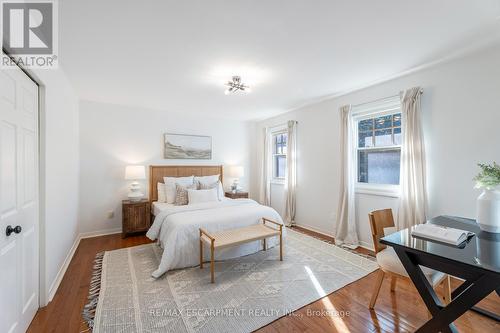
279, 144
378, 146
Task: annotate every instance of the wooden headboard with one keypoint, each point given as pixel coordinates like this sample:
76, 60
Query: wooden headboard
157, 172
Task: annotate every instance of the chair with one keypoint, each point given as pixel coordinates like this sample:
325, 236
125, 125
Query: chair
389, 262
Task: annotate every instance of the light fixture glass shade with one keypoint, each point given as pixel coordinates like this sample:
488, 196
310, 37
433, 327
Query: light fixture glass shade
236, 171
135, 172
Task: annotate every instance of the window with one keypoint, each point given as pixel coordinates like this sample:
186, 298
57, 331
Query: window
379, 148
279, 141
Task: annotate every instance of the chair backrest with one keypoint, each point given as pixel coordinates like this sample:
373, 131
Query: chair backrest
380, 219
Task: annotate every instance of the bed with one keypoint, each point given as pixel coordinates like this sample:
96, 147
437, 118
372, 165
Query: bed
176, 228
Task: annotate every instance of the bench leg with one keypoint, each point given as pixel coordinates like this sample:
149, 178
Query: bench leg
281, 246
264, 244
201, 254
212, 262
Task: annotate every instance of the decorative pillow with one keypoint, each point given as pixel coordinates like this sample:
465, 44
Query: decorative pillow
206, 186
162, 195
170, 183
217, 185
181, 194
207, 179
199, 196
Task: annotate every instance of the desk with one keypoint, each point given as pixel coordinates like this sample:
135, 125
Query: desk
477, 261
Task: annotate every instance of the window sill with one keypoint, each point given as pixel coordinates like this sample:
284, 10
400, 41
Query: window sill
378, 190
278, 181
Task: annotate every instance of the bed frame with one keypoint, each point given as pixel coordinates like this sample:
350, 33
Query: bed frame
157, 172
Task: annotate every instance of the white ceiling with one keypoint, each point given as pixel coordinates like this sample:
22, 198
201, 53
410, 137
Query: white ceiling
176, 55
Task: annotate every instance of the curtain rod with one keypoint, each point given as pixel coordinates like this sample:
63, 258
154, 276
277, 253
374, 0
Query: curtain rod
374, 101
382, 99
285, 124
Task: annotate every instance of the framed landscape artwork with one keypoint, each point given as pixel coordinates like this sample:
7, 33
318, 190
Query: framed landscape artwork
182, 147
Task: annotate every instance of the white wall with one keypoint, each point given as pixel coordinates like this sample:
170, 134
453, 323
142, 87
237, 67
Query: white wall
113, 136
59, 164
461, 115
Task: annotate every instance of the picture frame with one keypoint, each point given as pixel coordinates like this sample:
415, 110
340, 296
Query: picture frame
187, 147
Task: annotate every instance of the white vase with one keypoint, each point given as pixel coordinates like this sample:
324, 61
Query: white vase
488, 210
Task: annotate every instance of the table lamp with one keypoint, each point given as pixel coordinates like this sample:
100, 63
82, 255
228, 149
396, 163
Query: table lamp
135, 173
236, 172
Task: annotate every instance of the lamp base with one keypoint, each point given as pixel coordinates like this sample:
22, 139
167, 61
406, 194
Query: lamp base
235, 187
135, 193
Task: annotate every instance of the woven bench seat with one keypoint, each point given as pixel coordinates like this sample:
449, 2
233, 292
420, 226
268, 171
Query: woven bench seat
238, 236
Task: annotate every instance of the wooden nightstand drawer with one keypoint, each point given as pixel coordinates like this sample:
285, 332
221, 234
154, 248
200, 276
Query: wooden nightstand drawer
135, 216
236, 195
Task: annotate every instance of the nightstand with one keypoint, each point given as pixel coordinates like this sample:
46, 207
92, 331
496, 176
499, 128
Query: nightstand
135, 216
236, 195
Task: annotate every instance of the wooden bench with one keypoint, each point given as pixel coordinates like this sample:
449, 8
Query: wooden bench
238, 236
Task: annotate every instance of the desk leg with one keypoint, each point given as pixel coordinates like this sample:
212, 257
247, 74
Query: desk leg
443, 316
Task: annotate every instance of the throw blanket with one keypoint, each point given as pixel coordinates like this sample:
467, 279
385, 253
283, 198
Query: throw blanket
177, 230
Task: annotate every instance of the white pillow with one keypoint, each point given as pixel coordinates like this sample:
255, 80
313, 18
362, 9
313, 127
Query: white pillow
217, 185
170, 183
208, 180
162, 194
200, 196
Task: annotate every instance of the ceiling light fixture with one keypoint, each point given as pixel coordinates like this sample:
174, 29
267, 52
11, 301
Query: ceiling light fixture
236, 85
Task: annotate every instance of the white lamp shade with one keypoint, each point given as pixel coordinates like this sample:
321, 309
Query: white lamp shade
135, 172
236, 171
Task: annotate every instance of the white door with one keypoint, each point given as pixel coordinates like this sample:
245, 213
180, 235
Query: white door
18, 200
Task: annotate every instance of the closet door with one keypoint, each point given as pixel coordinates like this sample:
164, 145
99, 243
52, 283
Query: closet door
19, 215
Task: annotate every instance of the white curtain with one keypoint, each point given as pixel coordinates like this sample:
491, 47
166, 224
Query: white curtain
291, 173
413, 201
345, 228
265, 186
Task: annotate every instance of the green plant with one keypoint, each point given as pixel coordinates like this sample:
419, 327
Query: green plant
489, 177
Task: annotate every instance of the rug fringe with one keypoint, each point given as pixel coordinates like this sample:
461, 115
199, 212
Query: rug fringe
89, 309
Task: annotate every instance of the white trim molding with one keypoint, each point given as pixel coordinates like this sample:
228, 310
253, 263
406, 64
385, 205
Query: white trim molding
60, 274
362, 244
64, 267
380, 107
99, 233
384, 190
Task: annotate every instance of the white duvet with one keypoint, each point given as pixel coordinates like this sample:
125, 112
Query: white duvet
177, 230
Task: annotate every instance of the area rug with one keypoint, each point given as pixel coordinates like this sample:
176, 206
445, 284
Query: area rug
249, 292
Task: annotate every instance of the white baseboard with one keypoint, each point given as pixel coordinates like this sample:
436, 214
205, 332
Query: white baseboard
60, 275
362, 244
100, 233
314, 229
366, 245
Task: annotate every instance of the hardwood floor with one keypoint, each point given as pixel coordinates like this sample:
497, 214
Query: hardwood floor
64, 313
345, 310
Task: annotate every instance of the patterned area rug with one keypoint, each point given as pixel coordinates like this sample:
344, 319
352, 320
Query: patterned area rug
249, 292
370, 256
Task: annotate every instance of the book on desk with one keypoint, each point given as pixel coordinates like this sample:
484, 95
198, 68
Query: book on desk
441, 234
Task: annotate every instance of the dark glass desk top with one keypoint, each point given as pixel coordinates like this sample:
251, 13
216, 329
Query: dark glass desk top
482, 250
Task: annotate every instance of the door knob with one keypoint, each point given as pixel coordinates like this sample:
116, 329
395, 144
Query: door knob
10, 230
